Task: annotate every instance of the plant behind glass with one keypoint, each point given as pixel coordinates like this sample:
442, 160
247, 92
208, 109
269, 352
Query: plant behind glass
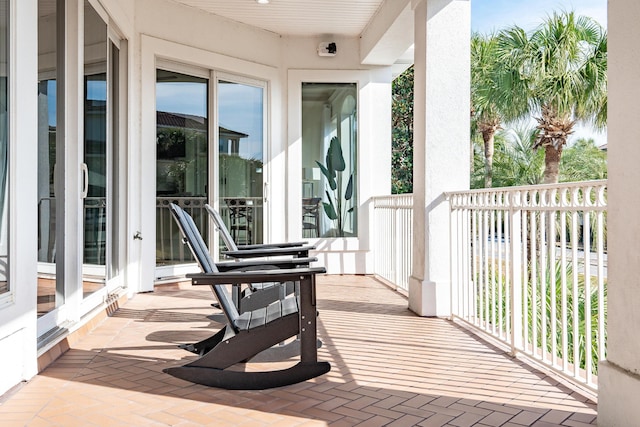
337, 206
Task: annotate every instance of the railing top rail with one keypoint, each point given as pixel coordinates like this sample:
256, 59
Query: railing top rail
562, 185
569, 196
393, 201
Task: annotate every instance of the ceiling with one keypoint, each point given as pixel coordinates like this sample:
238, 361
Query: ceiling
296, 17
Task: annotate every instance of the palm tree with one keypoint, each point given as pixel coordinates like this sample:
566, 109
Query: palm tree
557, 73
485, 113
583, 161
517, 163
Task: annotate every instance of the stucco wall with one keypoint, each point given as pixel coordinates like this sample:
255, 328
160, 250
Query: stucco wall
170, 21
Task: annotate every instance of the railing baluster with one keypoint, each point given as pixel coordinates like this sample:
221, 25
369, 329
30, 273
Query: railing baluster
507, 272
485, 267
563, 282
543, 281
499, 280
601, 300
492, 259
588, 337
516, 248
476, 278
553, 287
526, 283
574, 294
534, 285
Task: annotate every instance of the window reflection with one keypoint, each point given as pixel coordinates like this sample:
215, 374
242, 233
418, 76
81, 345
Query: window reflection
96, 200
241, 142
182, 159
50, 289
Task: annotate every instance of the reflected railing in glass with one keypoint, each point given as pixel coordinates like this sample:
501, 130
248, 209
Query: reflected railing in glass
242, 215
169, 247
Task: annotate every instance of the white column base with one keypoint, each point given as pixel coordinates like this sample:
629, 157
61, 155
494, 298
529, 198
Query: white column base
428, 298
618, 392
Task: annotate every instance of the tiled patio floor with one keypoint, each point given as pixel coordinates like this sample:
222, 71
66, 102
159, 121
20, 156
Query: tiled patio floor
389, 367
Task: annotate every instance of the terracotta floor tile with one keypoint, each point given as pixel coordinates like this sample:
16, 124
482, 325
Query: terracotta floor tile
389, 367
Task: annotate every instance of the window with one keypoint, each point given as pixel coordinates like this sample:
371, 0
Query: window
329, 160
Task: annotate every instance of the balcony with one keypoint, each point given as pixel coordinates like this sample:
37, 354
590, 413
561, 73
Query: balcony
389, 367
524, 260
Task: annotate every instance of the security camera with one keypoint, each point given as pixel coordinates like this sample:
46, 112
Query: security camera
327, 49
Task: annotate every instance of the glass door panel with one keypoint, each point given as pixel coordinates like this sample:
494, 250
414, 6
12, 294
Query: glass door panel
181, 161
240, 158
95, 191
50, 287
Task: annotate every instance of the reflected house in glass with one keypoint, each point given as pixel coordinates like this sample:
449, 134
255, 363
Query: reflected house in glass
229, 141
181, 147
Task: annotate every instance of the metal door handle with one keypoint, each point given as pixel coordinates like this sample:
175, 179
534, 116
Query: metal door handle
85, 180
265, 189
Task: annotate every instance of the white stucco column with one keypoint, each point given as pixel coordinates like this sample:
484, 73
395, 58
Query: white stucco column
619, 376
441, 144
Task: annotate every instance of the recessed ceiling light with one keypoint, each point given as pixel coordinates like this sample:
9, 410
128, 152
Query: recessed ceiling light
262, 1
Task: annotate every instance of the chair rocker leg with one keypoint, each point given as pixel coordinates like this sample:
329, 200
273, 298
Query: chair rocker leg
238, 380
280, 352
204, 346
233, 349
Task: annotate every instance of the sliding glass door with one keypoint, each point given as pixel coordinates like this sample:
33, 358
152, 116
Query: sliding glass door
194, 155
61, 293
100, 159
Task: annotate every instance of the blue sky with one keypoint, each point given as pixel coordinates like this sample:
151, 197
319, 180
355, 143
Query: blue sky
489, 16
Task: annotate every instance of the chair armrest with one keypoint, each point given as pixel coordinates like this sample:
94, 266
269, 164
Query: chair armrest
267, 264
256, 276
271, 245
299, 251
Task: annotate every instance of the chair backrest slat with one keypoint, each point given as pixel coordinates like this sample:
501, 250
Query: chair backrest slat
199, 249
222, 228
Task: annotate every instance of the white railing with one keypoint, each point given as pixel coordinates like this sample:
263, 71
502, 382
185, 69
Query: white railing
529, 268
393, 238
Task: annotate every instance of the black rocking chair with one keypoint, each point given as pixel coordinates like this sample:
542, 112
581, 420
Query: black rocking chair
252, 332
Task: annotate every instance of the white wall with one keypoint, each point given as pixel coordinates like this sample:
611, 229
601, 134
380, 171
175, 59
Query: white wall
619, 376
183, 25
